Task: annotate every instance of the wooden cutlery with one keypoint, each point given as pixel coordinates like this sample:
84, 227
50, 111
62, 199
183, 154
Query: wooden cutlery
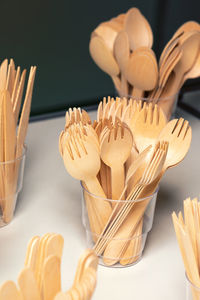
187, 230
125, 152
40, 279
124, 52
12, 138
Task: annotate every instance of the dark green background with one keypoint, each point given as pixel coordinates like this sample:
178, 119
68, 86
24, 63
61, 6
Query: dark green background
54, 35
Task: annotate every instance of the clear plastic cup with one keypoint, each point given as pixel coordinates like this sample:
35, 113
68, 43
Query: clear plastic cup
11, 181
130, 245
192, 291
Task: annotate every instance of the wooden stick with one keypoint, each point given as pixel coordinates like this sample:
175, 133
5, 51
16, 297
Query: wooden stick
23, 123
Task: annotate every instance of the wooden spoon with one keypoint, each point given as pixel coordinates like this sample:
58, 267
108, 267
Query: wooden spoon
121, 53
104, 58
138, 29
9, 291
142, 71
51, 277
169, 48
28, 285
150, 122
32, 253
187, 26
190, 50
107, 32
116, 146
62, 296
165, 72
194, 72
82, 161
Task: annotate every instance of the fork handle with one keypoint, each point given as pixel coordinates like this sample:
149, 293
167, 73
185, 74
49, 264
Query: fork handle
117, 181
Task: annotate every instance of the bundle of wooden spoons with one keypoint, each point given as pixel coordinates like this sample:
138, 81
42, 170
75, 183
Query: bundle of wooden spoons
12, 137
40, 279
188, 236
120, 159
121, 47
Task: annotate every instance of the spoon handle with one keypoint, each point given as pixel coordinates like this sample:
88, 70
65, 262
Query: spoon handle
100, 205
117, 181
137, 94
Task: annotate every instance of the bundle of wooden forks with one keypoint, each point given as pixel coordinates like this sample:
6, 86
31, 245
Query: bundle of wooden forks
120, 158
40, 279
12, 138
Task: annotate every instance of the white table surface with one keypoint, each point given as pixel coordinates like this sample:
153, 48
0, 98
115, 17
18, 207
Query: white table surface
51, 202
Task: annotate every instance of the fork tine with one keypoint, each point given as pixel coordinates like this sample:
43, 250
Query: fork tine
99, 111
73, 144
183, 130
111, 112
67, 120
104, 102
68, 147
139, 104
149, 115
81, 147
155, 115
118, 111
178, 126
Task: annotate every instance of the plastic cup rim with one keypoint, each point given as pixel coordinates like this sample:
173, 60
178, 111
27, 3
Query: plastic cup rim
147, 98
16, 159
113, 239
116, 201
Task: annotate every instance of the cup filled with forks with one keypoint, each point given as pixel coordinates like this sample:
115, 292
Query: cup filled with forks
13, 131
120, 159
122, 48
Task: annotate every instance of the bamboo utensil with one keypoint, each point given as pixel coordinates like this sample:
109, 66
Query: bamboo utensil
138, 29
190, 48
118, 236
116, 144
104, 58
187, 232
152, 171
9, 291
28, 285
130, 33
178, 135
150, 122
187, 27
121, 53
12, 139
82, 161
51, 280
142, 71
50, 287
